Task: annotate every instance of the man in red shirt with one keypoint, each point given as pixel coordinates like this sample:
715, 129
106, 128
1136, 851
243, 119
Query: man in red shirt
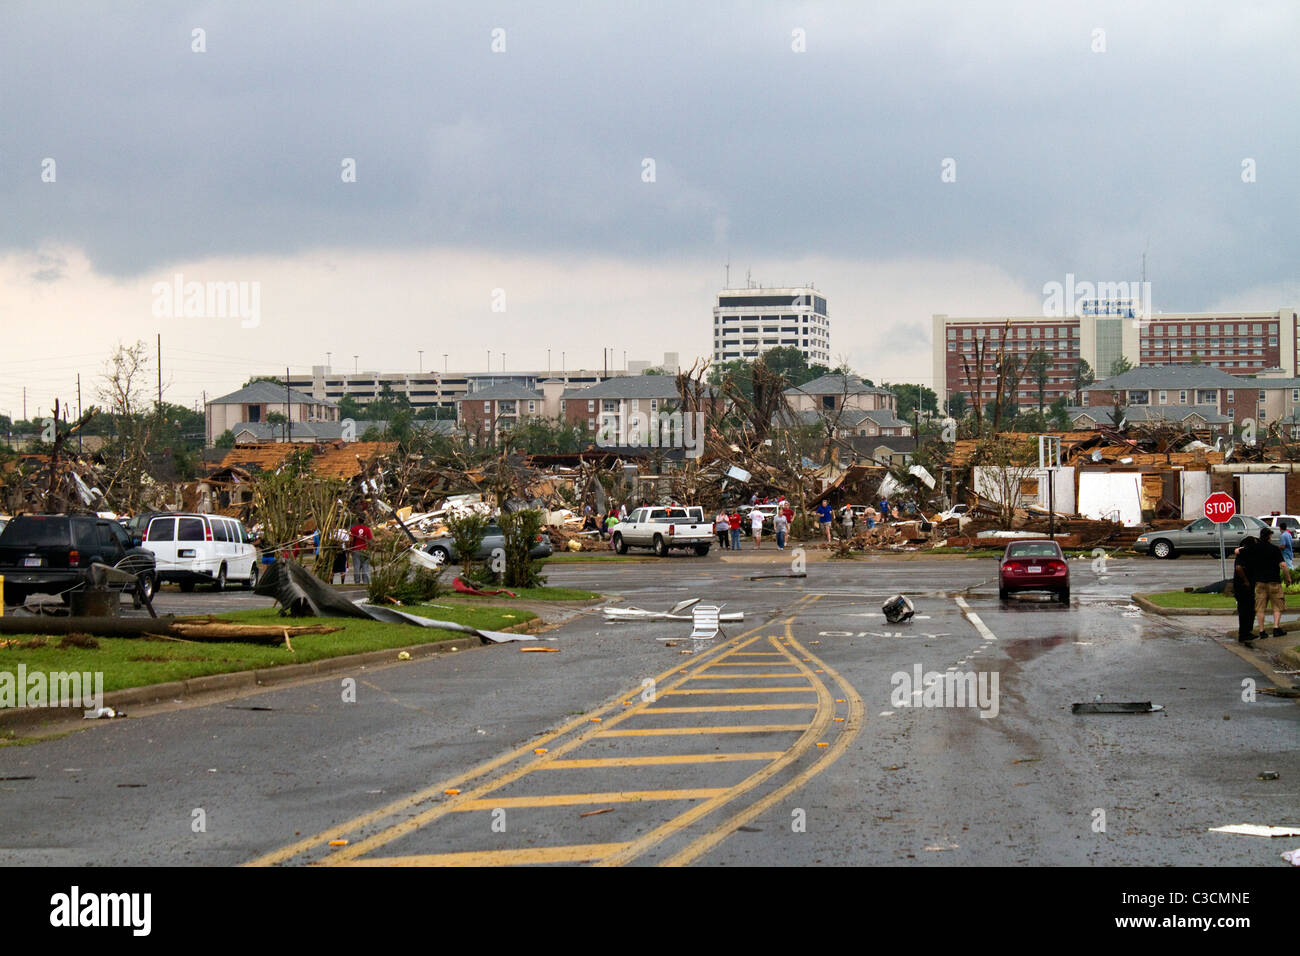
359, 538
733, 523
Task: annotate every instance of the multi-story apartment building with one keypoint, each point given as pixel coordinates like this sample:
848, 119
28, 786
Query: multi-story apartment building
748, 322
1238, 343
257, 402
485, 414
426, 389
849, 405
1170, 391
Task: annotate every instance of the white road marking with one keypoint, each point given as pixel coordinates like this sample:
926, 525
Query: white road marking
975, 620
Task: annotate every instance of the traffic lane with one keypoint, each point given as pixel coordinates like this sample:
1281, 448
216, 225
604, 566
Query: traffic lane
943, 785
1114, 576
265, 777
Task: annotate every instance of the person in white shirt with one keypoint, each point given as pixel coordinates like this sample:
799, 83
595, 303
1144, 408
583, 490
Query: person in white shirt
756, 525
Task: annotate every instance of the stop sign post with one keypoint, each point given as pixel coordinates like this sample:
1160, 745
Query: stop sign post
1219, 508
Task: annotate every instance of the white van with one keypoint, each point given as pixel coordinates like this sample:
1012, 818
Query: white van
195, 548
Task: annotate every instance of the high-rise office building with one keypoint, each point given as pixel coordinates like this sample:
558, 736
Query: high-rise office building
748, 322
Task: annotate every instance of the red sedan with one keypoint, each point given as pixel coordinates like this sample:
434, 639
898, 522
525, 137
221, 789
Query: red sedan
1034, 566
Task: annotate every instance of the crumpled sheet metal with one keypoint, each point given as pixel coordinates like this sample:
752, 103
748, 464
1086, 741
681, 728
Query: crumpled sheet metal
302, 594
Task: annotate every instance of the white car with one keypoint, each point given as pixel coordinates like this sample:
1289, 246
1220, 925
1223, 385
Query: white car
1278, 521
201, 549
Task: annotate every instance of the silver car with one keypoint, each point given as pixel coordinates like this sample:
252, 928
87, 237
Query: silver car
1199, 537
444, 548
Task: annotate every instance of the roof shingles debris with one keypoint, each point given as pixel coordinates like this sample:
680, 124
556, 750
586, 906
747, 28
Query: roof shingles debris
342, 460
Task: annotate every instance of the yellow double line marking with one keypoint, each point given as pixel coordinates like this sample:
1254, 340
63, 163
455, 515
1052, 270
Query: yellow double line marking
710, 799
343, 830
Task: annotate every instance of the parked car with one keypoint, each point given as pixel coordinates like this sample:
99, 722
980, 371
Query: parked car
195, 549
135, 525
1199, 537
1034, 565
444, 548
1277, 521
52, 554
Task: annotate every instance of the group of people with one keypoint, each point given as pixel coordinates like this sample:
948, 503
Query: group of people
826, 517
1257, 574
728, 524
604, 524
349, 542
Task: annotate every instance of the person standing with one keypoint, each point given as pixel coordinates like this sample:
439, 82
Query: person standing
1285, 541
886, 515
846, 517
1267, 566
733, 525
723, 528
756, 527
360, 537
780, 524
824, 516
340, 563
1243, 589
611, 523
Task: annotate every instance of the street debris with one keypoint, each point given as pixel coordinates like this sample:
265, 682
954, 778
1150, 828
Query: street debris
1268, 775
596, 813
678, 612
1252, 829
462, 588
782, 574
301, 594
102, 713
1116, 707
898, 609
1292, 856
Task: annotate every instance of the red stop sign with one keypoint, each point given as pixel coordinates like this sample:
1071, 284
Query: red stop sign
1219, 507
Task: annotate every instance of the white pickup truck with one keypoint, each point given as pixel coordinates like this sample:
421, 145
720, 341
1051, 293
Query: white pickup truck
663, 528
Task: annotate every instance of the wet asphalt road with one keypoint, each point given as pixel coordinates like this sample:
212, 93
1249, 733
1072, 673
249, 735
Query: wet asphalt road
736, 775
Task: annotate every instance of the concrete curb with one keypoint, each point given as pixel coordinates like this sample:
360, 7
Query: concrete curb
215, 684
1148, 606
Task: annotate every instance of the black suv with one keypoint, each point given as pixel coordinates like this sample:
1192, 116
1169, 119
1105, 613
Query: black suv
52, 554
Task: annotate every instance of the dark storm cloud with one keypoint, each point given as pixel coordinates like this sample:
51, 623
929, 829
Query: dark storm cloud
1066, 159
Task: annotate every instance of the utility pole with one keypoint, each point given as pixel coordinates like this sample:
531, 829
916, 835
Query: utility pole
78, 412
288, 408
159, 373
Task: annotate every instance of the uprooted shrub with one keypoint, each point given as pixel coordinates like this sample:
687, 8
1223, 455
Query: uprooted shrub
521, 530
395, 577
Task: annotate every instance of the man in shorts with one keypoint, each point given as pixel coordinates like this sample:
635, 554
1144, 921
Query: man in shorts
1268, 567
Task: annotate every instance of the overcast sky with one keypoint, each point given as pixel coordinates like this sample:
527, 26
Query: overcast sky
524, 171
